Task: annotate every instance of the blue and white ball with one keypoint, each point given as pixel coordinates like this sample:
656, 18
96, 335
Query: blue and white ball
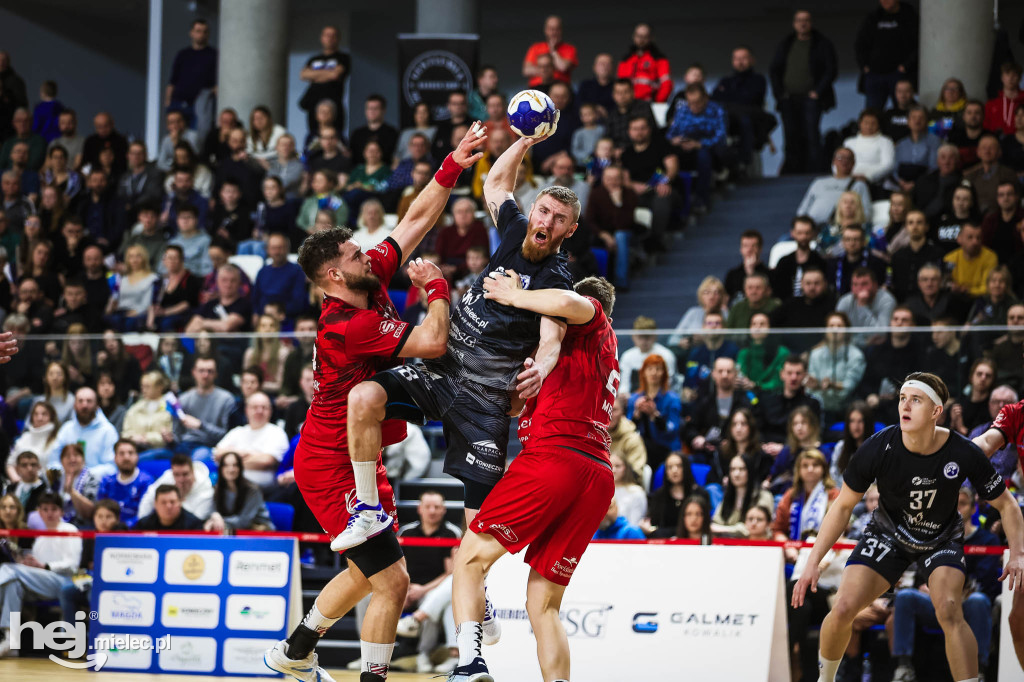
531, 113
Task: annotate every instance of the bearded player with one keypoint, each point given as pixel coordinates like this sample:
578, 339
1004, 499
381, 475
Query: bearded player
1008, 427
360, 333
919, 467
557, 490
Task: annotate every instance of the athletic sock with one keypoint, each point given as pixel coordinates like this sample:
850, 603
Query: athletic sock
376, 657
315, 620
827, 669
366, 482
469, 636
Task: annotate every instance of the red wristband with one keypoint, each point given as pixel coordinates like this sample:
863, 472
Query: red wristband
448, 174
437, 289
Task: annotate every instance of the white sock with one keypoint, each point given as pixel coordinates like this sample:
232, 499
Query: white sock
469, 636
827, 669
376, 657
366, 482
315, 620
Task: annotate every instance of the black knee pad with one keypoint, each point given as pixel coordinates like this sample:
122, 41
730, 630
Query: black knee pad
376, 554
400, 403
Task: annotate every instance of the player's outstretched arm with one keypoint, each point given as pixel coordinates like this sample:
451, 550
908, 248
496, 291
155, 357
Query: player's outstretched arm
832, 528
430, 338
1013, 525
501, 179
990, 441
427, 207
506, 288
8, 347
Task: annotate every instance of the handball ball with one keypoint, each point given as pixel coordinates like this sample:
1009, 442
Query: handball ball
531, 113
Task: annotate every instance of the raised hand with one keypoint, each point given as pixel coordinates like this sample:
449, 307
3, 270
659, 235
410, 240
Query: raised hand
420, 272
470, 149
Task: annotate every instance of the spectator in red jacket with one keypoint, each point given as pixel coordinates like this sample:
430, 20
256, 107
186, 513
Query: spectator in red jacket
647, 67
1000, 110
563, 55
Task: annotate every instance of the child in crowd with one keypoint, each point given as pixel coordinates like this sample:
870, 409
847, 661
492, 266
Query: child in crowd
602, 158
585, 138
46, 114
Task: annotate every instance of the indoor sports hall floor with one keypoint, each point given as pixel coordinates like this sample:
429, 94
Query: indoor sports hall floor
17, 670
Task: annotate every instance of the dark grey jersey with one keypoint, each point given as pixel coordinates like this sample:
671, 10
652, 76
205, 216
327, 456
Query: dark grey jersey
918, 493
488, 342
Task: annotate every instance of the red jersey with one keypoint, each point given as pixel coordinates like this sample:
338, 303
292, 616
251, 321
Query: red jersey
1010, 421
353, 344
575, 403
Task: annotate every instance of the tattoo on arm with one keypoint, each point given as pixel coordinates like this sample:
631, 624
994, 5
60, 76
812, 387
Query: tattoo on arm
492, 208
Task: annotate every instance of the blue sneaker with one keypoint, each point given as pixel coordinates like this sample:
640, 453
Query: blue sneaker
474, 672
365, 522
305, 670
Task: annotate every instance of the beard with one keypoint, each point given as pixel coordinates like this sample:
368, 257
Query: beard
368, 283
534, 252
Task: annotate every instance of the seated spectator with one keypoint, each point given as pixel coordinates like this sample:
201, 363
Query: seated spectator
907, 261
45, 271
241, 167
128, 308
229, 312
44, 572
57, 394
751, 248
37, 436
835, 367
949, 107
147, 423
280, 281
740, 437
999, 230
647, 66
760, 360
15, 205
806, 310
711, 297
77, 355
1005, 459
182, 193
75, 484
630, 496
626, 442
787, 274
1007, 350
989, 173
496, 116
758, 523
695, 521
857, 427
888, 363
445, 140
464, 232
896, 121
58, 173
12, 517
263, 134
370, 227
185, 159
192, 481
119, 363
21, 121
990, 309
168, 512
916, 153
368, 179
742, 493
972, 407
757, 298
177, 295
375, 129
276, 214
962, 208
915, 607
946, 357
329, 156
207, 411
651, 168
644, 345
774, 408
598, 90
698, 132
932, 301
874, 151
933, 191
1013, 144
219, 253
90, 431
267, 352
615, 526
563, 174
999, 111
195, 244
110, 403
287, 168
803, 506
656, 410
237, 502
625, 110
584, 138
249, 383
610, 217
866, 305
423, 124
177, 131
151, 238
560, 141
127, 486
260, 444
803, 432
970, 265
704, 351
230, 221
323, 198
850, 213
67, 124
710, 415
295, 412
28, 485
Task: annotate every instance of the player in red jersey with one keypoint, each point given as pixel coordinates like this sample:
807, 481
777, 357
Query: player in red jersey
1008, 427
555, 493
360, 333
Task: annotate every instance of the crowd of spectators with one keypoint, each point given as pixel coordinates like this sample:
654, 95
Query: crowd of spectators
742, 434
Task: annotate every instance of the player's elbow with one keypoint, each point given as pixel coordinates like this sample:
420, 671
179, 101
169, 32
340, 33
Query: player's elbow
435, 346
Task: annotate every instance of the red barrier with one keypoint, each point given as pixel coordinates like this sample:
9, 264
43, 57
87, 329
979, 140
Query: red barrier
448, 542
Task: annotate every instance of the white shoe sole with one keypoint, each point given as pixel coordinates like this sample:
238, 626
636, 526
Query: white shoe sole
495, 637
348, 542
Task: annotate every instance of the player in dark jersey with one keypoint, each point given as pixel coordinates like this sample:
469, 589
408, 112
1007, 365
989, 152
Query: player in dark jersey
468, 389
559, 487
360, 333
919, 468
1008, 427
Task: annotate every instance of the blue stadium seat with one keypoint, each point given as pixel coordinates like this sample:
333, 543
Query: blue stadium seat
700, 472
154, 467
658, 478
281, 515
601, 256
398, 298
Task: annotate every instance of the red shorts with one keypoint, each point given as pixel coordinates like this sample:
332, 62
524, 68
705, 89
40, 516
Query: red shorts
553, 500
327, 483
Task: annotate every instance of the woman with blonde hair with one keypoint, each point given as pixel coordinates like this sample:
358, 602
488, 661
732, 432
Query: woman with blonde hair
128, 309
949, 108
286, 166
849, 211
268, 353
803, 507
147, 423
263, 134
370, 227
711, 297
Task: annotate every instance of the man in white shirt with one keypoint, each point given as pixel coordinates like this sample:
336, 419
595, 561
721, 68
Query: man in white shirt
192, 479
820, 200
44, 572
260, 444
643, 345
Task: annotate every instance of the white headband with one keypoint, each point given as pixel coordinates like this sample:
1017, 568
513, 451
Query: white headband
924, 388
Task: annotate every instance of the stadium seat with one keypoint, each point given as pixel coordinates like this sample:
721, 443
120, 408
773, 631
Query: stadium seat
700, 472
879, 212
779, 251
154, 467
643, 216
660, 111
250, 265
398, 298
658, 478
601, 256
281, 515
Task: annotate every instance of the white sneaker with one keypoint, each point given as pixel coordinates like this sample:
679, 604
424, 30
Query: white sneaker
423, 664
408, 626
904, 673
304, 670
364, 523
447, 666
5, 648
491, 625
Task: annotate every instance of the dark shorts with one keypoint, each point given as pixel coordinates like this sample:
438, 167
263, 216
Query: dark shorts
880, 552
475, 418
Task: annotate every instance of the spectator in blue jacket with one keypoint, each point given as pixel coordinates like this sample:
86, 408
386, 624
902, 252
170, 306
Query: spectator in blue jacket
698, 133
280, 281
129, 484
615, 527
656, 410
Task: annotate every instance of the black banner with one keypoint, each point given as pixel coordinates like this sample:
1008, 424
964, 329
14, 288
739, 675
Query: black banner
433, 66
